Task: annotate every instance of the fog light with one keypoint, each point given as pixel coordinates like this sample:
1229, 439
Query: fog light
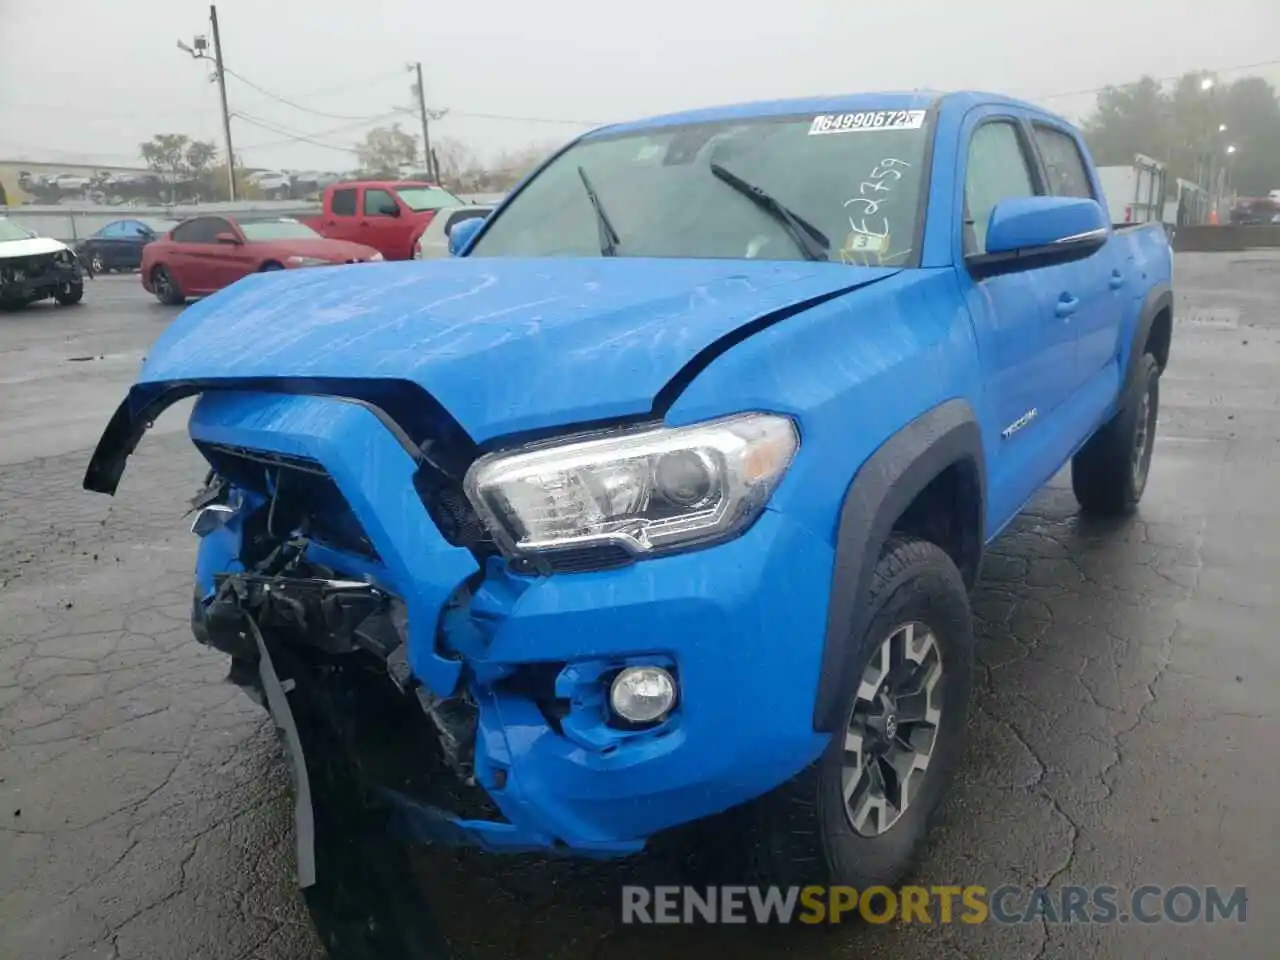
642, 694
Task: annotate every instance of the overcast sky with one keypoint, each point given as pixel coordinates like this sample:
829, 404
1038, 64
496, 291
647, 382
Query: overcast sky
88, 80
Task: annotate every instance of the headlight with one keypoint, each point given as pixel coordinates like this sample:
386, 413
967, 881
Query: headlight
376, 257
647, 492
306, 261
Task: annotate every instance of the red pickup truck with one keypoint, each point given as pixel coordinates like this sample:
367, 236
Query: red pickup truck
388, 215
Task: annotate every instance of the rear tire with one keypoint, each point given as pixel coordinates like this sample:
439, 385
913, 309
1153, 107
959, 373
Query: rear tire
166, 287
72, 294
1109, 474
805, 831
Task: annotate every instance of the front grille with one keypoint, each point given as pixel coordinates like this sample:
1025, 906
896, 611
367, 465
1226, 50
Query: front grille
306, 494
32, 268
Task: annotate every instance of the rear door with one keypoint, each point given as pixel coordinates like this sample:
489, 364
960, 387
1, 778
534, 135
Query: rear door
1022, 320
340, 221
1101, 282
386, 232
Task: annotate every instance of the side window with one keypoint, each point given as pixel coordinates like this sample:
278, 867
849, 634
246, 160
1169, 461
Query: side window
190, 232
134, 230
112, 231
1062, 160
203, 230
344, 203
216, 226
376, 200
997, 170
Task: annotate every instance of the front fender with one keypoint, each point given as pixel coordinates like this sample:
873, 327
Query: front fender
946, 436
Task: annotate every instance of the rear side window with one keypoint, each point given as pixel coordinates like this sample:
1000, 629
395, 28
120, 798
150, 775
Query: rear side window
114, 231
997, 170
1063, 162
344, 203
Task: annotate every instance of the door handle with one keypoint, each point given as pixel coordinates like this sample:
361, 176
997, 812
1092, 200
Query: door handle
1117, 280
1066, 305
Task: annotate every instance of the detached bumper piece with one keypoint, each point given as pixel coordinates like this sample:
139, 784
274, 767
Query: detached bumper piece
326, 657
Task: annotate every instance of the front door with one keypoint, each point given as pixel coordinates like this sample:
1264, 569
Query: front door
378, 228
1022, 321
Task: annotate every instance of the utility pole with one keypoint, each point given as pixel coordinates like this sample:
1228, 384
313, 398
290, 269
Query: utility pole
199, 50
426, 129
222, 93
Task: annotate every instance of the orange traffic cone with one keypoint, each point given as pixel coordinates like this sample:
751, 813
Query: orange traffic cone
1213, 217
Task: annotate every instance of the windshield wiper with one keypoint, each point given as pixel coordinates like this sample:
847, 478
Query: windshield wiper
609, 238
813, 243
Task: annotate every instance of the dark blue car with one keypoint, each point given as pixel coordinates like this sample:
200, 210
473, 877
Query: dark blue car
118, 245
661, 499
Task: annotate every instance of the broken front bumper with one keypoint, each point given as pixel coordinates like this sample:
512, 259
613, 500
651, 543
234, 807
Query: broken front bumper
740, 625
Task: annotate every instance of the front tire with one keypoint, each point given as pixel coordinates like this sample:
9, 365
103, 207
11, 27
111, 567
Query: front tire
859, 815
1109, 474
70, 295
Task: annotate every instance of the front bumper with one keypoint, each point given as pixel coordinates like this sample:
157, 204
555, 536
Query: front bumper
45, 283
740, 624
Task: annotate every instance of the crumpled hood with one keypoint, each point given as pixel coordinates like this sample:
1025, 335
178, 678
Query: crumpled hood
503, 344
32, 247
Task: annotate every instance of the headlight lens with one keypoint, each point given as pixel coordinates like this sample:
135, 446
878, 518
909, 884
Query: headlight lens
376, 257
648, 492
306, 261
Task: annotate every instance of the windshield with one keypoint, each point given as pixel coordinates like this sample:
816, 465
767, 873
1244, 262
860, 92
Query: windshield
11, 231
843, 187
281, 228
418, 199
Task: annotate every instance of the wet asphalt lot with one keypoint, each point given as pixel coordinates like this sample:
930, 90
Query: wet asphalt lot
1126, 729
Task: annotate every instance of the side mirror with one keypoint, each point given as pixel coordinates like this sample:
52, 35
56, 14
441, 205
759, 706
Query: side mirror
389, 210
226, 237
461, 235
1029, 232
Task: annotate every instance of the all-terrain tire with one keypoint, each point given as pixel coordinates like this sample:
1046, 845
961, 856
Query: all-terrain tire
72, 295
1109, 474
802, 831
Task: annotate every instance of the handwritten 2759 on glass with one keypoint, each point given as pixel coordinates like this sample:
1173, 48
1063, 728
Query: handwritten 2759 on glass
867, 120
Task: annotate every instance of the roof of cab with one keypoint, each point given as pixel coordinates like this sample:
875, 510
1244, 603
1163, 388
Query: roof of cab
838, 103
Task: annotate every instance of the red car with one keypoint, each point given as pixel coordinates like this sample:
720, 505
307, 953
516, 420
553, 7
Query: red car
205, 254
389, 215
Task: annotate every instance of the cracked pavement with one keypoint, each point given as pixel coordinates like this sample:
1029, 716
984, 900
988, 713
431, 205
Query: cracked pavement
1122, 731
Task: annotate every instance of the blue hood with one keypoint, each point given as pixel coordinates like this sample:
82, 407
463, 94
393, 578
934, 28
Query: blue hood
504, 345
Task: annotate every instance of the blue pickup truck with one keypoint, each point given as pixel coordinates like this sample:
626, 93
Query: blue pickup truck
661, 499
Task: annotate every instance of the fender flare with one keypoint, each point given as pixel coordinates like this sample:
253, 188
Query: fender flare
881, 490
1158, 299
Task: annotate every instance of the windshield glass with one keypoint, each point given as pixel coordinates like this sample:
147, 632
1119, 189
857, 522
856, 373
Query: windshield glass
281, 228
11, 231
852, 179
418, 199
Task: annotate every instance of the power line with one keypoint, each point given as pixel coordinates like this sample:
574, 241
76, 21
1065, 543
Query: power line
305, 137
292, 135
291, 103
1169, 79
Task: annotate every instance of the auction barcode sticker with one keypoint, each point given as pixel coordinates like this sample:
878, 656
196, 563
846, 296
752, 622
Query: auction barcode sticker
867, 120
